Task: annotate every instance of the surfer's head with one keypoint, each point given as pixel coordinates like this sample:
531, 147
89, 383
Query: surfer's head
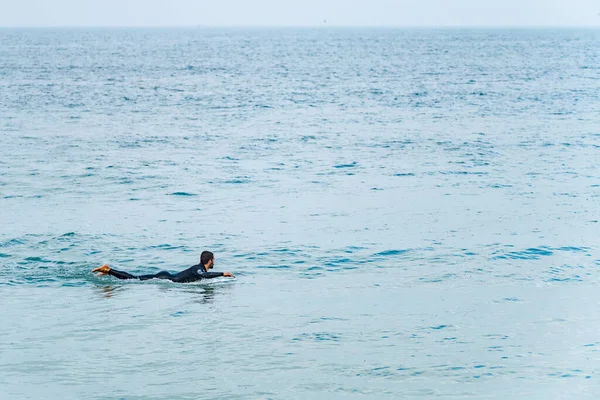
207, 259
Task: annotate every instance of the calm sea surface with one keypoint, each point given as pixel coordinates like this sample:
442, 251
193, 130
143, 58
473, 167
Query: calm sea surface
409, 213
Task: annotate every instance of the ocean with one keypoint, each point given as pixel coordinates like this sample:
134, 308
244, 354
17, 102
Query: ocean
409, 213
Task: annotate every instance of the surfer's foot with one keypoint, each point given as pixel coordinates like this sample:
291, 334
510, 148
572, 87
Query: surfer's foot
103, 270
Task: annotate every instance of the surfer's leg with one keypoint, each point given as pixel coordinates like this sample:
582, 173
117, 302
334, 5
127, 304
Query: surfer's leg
160, 275
121, 274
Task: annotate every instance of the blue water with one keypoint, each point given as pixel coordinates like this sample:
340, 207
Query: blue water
408, 213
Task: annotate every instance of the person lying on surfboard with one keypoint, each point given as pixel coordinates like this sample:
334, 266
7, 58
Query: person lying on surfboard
194, 273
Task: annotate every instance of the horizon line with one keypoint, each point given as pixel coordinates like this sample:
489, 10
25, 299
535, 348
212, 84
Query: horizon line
323, 25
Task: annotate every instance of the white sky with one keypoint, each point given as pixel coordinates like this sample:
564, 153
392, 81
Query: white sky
300, 12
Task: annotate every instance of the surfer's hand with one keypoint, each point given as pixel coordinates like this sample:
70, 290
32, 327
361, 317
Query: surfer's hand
229, 274
103, 270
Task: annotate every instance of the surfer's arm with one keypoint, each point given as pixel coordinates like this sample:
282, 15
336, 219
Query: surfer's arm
211, 275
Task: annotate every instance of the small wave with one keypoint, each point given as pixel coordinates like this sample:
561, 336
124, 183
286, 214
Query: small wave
319, 337
535, 253
573, 249
439, 327
182, 194
351, 165
274, 266
527, 254
462, 173
237, 181
12, 242
566, 273
388, 253
338, 261
37, 259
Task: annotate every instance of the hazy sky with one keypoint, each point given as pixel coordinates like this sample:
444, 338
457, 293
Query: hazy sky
299, 12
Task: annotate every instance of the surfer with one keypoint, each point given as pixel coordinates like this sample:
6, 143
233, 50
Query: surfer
194, 273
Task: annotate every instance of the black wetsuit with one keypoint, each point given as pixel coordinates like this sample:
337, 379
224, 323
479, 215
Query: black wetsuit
192, 274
